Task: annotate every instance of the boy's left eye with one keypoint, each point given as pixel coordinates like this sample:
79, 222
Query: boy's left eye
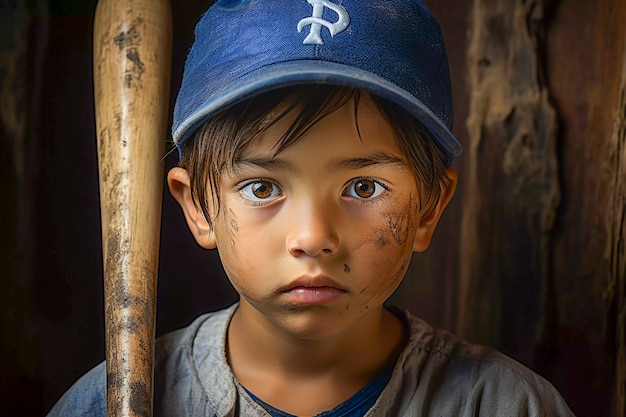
364, 188
261, 190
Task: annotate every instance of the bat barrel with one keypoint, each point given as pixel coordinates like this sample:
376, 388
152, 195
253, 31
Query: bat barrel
132, 61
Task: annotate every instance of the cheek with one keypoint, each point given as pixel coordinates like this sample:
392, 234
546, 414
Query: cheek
233, 225
245, 255
229, 242
227, 231
385, 277
388, 243
397, 225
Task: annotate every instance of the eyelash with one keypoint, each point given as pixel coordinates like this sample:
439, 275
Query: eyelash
379, 194
240, 190
346, 192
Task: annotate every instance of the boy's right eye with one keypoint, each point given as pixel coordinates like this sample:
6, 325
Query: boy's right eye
260, 190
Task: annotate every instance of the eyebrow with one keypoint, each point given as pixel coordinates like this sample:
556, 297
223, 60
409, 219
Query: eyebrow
277, 164
369, 160
270, 164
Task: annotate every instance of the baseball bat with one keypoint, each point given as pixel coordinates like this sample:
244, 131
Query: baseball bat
132, 62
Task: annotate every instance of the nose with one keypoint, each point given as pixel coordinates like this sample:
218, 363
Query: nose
312, 231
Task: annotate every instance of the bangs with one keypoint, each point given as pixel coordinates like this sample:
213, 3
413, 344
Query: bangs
220, 142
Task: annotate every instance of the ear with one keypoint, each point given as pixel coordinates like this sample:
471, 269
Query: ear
180, 188
429, 223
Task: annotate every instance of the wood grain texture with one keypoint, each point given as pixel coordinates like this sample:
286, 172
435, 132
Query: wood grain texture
132, 61
543, 226
513, 183
615, 292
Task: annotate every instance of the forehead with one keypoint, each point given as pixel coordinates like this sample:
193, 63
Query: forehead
356, 125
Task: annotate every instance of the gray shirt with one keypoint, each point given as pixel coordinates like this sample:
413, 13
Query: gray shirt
436, 375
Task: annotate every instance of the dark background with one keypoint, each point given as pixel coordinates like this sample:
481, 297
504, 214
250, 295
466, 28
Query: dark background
551, 297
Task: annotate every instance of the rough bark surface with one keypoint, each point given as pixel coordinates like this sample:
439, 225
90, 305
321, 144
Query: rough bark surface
542, 247
513, 188
615, 293
586, 47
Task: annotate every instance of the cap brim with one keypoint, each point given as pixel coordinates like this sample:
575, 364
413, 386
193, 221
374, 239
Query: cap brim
316, 72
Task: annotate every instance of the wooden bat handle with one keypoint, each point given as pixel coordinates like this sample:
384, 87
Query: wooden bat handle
132, 61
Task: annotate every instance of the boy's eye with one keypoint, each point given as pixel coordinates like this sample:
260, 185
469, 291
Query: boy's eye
364, 188
261, 190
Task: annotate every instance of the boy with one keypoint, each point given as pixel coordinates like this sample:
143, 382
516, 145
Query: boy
315, 153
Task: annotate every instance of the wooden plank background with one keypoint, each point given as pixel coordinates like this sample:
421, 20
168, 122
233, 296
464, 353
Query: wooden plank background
530, 257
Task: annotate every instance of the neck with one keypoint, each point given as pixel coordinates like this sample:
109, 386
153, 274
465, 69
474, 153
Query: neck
257, 346
308, 375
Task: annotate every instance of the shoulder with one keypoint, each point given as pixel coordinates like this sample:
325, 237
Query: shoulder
86, 398
191, 373
177, 355
450, 376
212, 324
179, 351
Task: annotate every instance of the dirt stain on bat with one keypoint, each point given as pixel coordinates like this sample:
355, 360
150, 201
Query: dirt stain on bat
136, 69
139, 399
130, 37
128, 42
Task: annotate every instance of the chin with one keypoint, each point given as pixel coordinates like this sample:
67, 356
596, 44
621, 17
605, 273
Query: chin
313, 322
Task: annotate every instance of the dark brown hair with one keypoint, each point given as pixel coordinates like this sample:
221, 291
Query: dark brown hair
220, 141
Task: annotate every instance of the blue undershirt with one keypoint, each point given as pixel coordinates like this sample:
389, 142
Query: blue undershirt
355, 406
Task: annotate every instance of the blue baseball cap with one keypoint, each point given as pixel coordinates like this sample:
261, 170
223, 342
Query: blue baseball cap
390, 48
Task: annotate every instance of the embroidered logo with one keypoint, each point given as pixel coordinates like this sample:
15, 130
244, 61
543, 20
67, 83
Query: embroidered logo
316, 21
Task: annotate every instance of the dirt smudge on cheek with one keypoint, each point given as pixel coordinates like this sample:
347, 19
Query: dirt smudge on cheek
400, 222
395, 226
229, 225
395, 222
382, 240
232, 222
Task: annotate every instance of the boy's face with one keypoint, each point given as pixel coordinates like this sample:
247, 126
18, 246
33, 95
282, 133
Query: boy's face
316, 238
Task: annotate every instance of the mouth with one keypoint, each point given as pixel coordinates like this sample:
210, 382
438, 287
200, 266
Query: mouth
317, 289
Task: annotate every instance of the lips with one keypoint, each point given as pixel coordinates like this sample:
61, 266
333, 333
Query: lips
317, 289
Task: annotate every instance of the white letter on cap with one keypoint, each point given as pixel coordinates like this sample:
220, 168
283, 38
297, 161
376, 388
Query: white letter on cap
317, 22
